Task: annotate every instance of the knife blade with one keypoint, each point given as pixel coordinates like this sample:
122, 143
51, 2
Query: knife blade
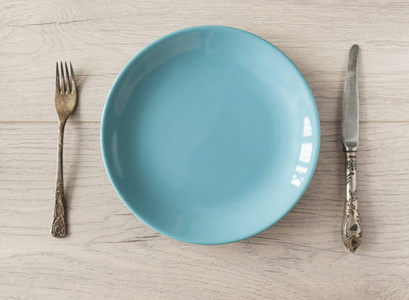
351, 230
350, 109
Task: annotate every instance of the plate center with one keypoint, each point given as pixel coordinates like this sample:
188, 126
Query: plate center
201, 134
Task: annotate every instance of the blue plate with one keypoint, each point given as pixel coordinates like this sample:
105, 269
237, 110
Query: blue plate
210, 135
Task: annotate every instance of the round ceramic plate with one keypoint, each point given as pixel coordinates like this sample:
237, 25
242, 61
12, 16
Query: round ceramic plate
210, 135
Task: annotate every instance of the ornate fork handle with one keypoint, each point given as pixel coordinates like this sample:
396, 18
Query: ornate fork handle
59, 226
351, 224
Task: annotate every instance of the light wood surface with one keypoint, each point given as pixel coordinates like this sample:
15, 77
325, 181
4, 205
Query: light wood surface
110, 254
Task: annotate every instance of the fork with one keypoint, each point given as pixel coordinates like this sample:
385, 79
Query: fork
65, 104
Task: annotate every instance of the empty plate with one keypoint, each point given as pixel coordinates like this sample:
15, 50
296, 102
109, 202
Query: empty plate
210, 135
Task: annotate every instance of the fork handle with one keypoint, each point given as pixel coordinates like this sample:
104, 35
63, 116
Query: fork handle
59, 226
351, 223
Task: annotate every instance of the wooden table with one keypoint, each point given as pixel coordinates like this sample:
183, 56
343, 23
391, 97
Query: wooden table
110, 254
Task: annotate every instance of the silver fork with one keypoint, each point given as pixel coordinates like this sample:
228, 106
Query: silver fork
65, 104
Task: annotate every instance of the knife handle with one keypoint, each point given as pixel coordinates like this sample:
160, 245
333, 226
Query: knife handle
351, 223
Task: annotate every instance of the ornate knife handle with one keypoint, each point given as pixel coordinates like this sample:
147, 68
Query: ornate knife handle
59, 226
351, 223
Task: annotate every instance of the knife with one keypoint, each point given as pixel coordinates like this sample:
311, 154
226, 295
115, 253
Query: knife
351, 223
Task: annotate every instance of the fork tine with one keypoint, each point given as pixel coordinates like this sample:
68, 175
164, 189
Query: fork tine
67, 79
73, 83
62, 78
57, 79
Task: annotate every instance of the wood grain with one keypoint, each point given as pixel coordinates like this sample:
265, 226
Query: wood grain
110, 254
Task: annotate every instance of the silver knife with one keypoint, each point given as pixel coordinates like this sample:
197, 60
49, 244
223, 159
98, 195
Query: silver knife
351, 222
